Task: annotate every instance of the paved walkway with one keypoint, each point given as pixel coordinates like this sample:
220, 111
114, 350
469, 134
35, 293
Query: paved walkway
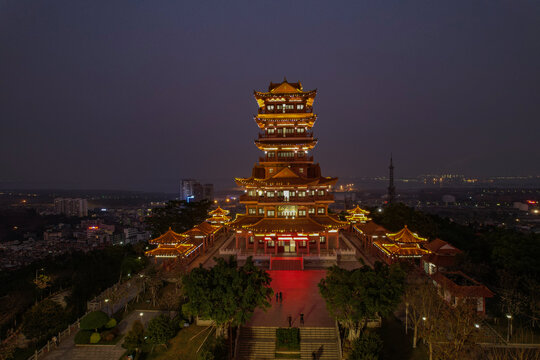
300, 295
68, 351
208, 259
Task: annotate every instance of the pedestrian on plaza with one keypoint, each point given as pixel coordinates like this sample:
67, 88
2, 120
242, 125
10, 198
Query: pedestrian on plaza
280, 297
55, 340
289, 318
301, 318
277, 296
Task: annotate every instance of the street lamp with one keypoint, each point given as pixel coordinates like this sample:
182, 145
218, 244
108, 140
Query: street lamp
509, 333
107, 302
477, 326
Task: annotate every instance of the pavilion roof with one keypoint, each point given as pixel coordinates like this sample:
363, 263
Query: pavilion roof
170, 250
170, 237
218, 219
405, 236
358, 210
371, 228
218, 211
277, 225
400, 250
285, 177
461, 285
442, 247
270, 142
203, 229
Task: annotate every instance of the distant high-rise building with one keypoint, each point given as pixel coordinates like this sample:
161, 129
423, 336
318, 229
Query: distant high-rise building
192, 190
71, 207
391, 187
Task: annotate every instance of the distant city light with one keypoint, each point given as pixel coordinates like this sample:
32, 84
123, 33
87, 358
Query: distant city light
103, 209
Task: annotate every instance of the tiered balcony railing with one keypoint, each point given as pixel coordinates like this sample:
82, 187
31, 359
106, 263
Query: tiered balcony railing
290, 199
305, 110
299, 135
287, 159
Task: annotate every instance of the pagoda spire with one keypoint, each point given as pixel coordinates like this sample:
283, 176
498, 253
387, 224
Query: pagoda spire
391, 187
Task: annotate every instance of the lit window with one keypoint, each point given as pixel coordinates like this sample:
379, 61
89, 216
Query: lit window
301, 170
271, 154
322, 239
301, 193
270, 213
300, 130
251, 211
279, 107
301, 212
321, 192
320, 210
301, 154
312, 210
270, 194
270, 107
289, 107
271, 130
300, 106
251, 192
270, 170
261, 211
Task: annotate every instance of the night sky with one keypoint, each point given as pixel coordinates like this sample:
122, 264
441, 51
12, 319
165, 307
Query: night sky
137, 95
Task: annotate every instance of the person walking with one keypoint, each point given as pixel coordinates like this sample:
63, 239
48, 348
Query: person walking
289, 318
277, 296
301, 318
280, 297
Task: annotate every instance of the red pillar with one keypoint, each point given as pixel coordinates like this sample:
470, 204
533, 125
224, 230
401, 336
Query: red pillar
275, 246
327, 241
319, 246
255, 243
237, 239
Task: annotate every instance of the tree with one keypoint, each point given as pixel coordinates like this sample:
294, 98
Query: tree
366, 347
160, 330
451, 332
225, 293
153, 283
353, 297
135, 337
94, 321
421, 302
43, 320
178, 215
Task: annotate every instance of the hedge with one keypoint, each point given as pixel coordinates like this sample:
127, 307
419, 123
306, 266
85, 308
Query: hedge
288, 338
83, 337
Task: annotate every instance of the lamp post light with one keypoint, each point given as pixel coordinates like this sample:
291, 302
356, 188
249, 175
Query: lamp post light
477, 326
108, 309
509, 332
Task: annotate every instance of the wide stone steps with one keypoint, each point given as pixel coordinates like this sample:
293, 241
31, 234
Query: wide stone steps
318, 340
325, 350
258, 342
317, 333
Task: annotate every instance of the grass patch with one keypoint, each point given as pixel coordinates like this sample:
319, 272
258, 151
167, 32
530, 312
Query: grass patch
181, 347
396, 344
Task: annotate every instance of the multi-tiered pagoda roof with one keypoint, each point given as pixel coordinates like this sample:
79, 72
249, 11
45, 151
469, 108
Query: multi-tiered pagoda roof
286, 192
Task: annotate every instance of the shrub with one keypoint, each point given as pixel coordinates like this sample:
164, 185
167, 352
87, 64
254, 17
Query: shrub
94, 338
108, 336
111, 323
83, 337
366, 347
94, 320
288, 338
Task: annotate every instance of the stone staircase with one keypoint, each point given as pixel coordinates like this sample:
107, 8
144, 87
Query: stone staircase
257, 343
321, 341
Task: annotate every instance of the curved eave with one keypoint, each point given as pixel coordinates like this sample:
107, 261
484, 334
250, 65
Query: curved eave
282, 145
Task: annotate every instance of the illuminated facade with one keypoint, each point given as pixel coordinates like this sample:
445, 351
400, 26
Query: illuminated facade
191, 243
286, 198
402, 245
357, 216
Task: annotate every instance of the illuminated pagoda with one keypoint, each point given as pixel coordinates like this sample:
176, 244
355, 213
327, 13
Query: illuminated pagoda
357, 216
219, 216
286, 198
172, 245
191, 243
402, 245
